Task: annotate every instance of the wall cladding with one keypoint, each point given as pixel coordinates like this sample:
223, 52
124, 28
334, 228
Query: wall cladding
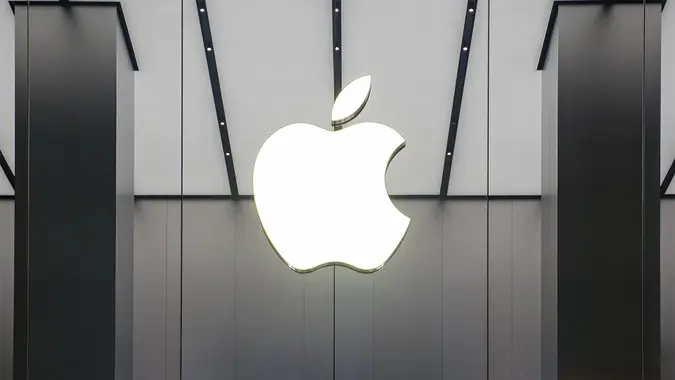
6, 287
245, 315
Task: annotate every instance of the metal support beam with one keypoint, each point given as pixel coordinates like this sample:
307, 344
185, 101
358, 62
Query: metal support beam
337, 50
462, 67
217, 94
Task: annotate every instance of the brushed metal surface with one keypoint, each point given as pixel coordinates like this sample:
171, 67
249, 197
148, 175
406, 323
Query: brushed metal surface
269, 305
384, 324
526, 301
68, 156
667, 288
465, 275
501, 272
6, 287
408, 299
150, 290
209, 305
606, 235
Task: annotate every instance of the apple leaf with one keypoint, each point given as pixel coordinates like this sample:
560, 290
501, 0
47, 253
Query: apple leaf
351, 100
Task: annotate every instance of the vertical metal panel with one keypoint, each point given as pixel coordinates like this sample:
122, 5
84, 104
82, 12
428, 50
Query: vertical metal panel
651, 150
174, 282
318, 329
6, 287
408, 300
150, 290
600, 195
465, 290
72, 263
667, 289
354, 335
242, 307
209, 275
269, 305
526, 301
431, 314
19, 338
501, 290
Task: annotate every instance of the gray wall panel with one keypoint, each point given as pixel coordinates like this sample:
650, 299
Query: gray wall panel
408, 300
284, 324
465, 290
318, 358
608, 254
150, 291
354, 339
173, 288
209, 290
6, 287
270, 306
74, 285
526, 294
667, 289
501, 290
515, 290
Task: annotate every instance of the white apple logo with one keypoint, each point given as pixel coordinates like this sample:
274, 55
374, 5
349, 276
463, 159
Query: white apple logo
321, 195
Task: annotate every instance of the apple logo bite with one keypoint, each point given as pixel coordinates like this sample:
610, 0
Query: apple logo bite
321, 195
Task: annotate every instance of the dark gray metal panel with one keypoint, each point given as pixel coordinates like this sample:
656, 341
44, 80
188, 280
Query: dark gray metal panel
465, 289
354, 330
150, 290
19, 341
270, 305
526, 301
72, 209
501, 273
209, 275
6, 287
408, 300
667, 289
124, 276
652, 192
600, 190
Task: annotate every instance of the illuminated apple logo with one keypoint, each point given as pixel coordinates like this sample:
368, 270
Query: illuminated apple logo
321, 194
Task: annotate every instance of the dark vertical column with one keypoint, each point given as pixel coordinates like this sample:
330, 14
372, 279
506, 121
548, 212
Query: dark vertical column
652, 196
74, 203
601, 194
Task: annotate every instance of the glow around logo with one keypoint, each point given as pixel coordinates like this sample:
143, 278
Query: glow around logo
321, 195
